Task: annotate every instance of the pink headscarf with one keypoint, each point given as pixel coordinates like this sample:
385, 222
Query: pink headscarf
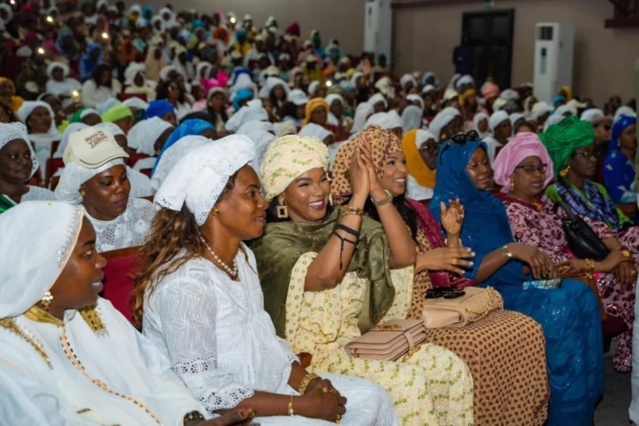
522, 146
490, 91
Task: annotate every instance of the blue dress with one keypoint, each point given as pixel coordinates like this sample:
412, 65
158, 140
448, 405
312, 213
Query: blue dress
570, 316
618, 171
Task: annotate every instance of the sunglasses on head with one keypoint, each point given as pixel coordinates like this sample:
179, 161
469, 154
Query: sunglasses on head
461, 139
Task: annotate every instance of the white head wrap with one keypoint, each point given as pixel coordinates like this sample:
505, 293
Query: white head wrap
407, 78
136, 103
172, 155
215, 90
144, 134
385, 120
509, 95
165, 71
362, 113
355, 77
624, 110
272, 83
539, 109
61, 65
89, 111
476, 119
47, 232
312, 88
334, 97
312, 129
416, 98
427, 89
284, 128
422, 136
463, 80
564, 109
204, 65
107, 105
200, 176
74, 175
111, 127
262, 139
64, 141
377, 98
13, 131
298, 97
440, 121
411, 118
592, 114
498, 103
496, 119
132, 70
27, 109
515, 116
553, 119
244, 115
383, 85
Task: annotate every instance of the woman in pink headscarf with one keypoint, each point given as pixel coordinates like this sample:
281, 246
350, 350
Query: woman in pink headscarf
523, 168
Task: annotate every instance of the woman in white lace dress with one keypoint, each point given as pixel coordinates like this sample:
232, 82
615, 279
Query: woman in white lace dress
198, 297
96, 177
18, 163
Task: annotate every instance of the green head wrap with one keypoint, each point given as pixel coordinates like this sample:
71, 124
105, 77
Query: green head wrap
563, 138
116, 113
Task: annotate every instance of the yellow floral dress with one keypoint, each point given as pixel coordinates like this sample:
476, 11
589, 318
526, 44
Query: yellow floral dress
432, 387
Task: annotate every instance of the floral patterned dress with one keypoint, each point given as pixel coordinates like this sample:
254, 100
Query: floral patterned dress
431, 387
541, 227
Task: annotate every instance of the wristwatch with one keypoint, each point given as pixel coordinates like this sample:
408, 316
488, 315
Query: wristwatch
385, 200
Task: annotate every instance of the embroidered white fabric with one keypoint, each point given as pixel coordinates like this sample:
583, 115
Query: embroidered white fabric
13, 131
128, 230
172, 155
37, 193
222, 343
140, 184
200, 176
74, 175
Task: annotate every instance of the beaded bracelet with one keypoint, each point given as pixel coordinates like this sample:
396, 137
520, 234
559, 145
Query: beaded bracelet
348, 210
507, 254
290, 406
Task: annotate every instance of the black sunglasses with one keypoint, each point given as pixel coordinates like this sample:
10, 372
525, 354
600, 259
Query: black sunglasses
461, 139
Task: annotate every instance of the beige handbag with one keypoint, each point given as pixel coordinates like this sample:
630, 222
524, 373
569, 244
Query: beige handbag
472, 306
390, 341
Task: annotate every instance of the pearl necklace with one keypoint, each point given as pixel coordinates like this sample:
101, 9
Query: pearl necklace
232, 272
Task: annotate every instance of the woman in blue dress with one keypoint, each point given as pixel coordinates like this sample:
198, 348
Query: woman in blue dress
570, 315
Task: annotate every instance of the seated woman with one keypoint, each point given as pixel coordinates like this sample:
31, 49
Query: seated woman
95, 176
100, 87
216, 106
40, 121
324, 290
569, 315
172, 92
59, 83
60, 341
316, 112
87, 116
420, 150
501, 131
162, 109
509, 373
618, 166
147, 137
570, 145
18, 164
198, 298
523, 169
339, 123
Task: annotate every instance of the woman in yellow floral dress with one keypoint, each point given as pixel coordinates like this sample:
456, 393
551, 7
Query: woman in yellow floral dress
329, 276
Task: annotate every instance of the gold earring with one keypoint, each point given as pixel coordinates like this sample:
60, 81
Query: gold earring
564, 172
512, 185
330, 198
282, 211
215, 212
46, 300
82, 193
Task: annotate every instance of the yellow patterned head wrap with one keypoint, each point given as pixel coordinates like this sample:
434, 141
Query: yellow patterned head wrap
287, 158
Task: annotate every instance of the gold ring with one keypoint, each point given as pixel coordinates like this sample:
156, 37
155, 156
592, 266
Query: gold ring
338, 419
453, 261
625, 253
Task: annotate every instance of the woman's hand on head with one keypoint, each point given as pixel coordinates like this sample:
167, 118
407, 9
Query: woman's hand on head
359, 176
452, 217
446, 259
540, 264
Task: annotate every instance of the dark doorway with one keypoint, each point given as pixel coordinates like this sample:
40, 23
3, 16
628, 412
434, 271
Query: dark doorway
490, 34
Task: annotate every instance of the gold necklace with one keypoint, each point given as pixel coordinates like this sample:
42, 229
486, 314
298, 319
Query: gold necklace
91, 316
11, 326
37, 314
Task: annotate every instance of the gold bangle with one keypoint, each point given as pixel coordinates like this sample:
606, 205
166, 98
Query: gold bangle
348, 210
290, 406
507, 254
458, 240
305, 382
590, 263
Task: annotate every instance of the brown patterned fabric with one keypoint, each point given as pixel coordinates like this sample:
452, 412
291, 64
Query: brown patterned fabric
506, 354
382, 143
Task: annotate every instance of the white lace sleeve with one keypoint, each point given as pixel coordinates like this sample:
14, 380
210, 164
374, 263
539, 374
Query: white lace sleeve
186, 309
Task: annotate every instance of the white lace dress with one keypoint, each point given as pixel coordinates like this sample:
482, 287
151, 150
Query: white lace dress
223, 345
128, 230
140, 184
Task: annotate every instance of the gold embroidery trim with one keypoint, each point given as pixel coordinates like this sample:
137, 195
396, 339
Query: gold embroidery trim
10, 325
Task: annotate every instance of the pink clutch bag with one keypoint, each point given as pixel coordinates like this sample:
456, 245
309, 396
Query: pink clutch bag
390, 341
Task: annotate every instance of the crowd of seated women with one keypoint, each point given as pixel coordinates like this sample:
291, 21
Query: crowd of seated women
284, 199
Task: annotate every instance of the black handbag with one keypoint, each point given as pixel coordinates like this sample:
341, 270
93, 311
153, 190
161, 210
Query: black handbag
582, 240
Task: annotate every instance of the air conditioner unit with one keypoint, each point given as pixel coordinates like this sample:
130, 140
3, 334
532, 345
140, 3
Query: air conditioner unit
378, 27
554, 46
